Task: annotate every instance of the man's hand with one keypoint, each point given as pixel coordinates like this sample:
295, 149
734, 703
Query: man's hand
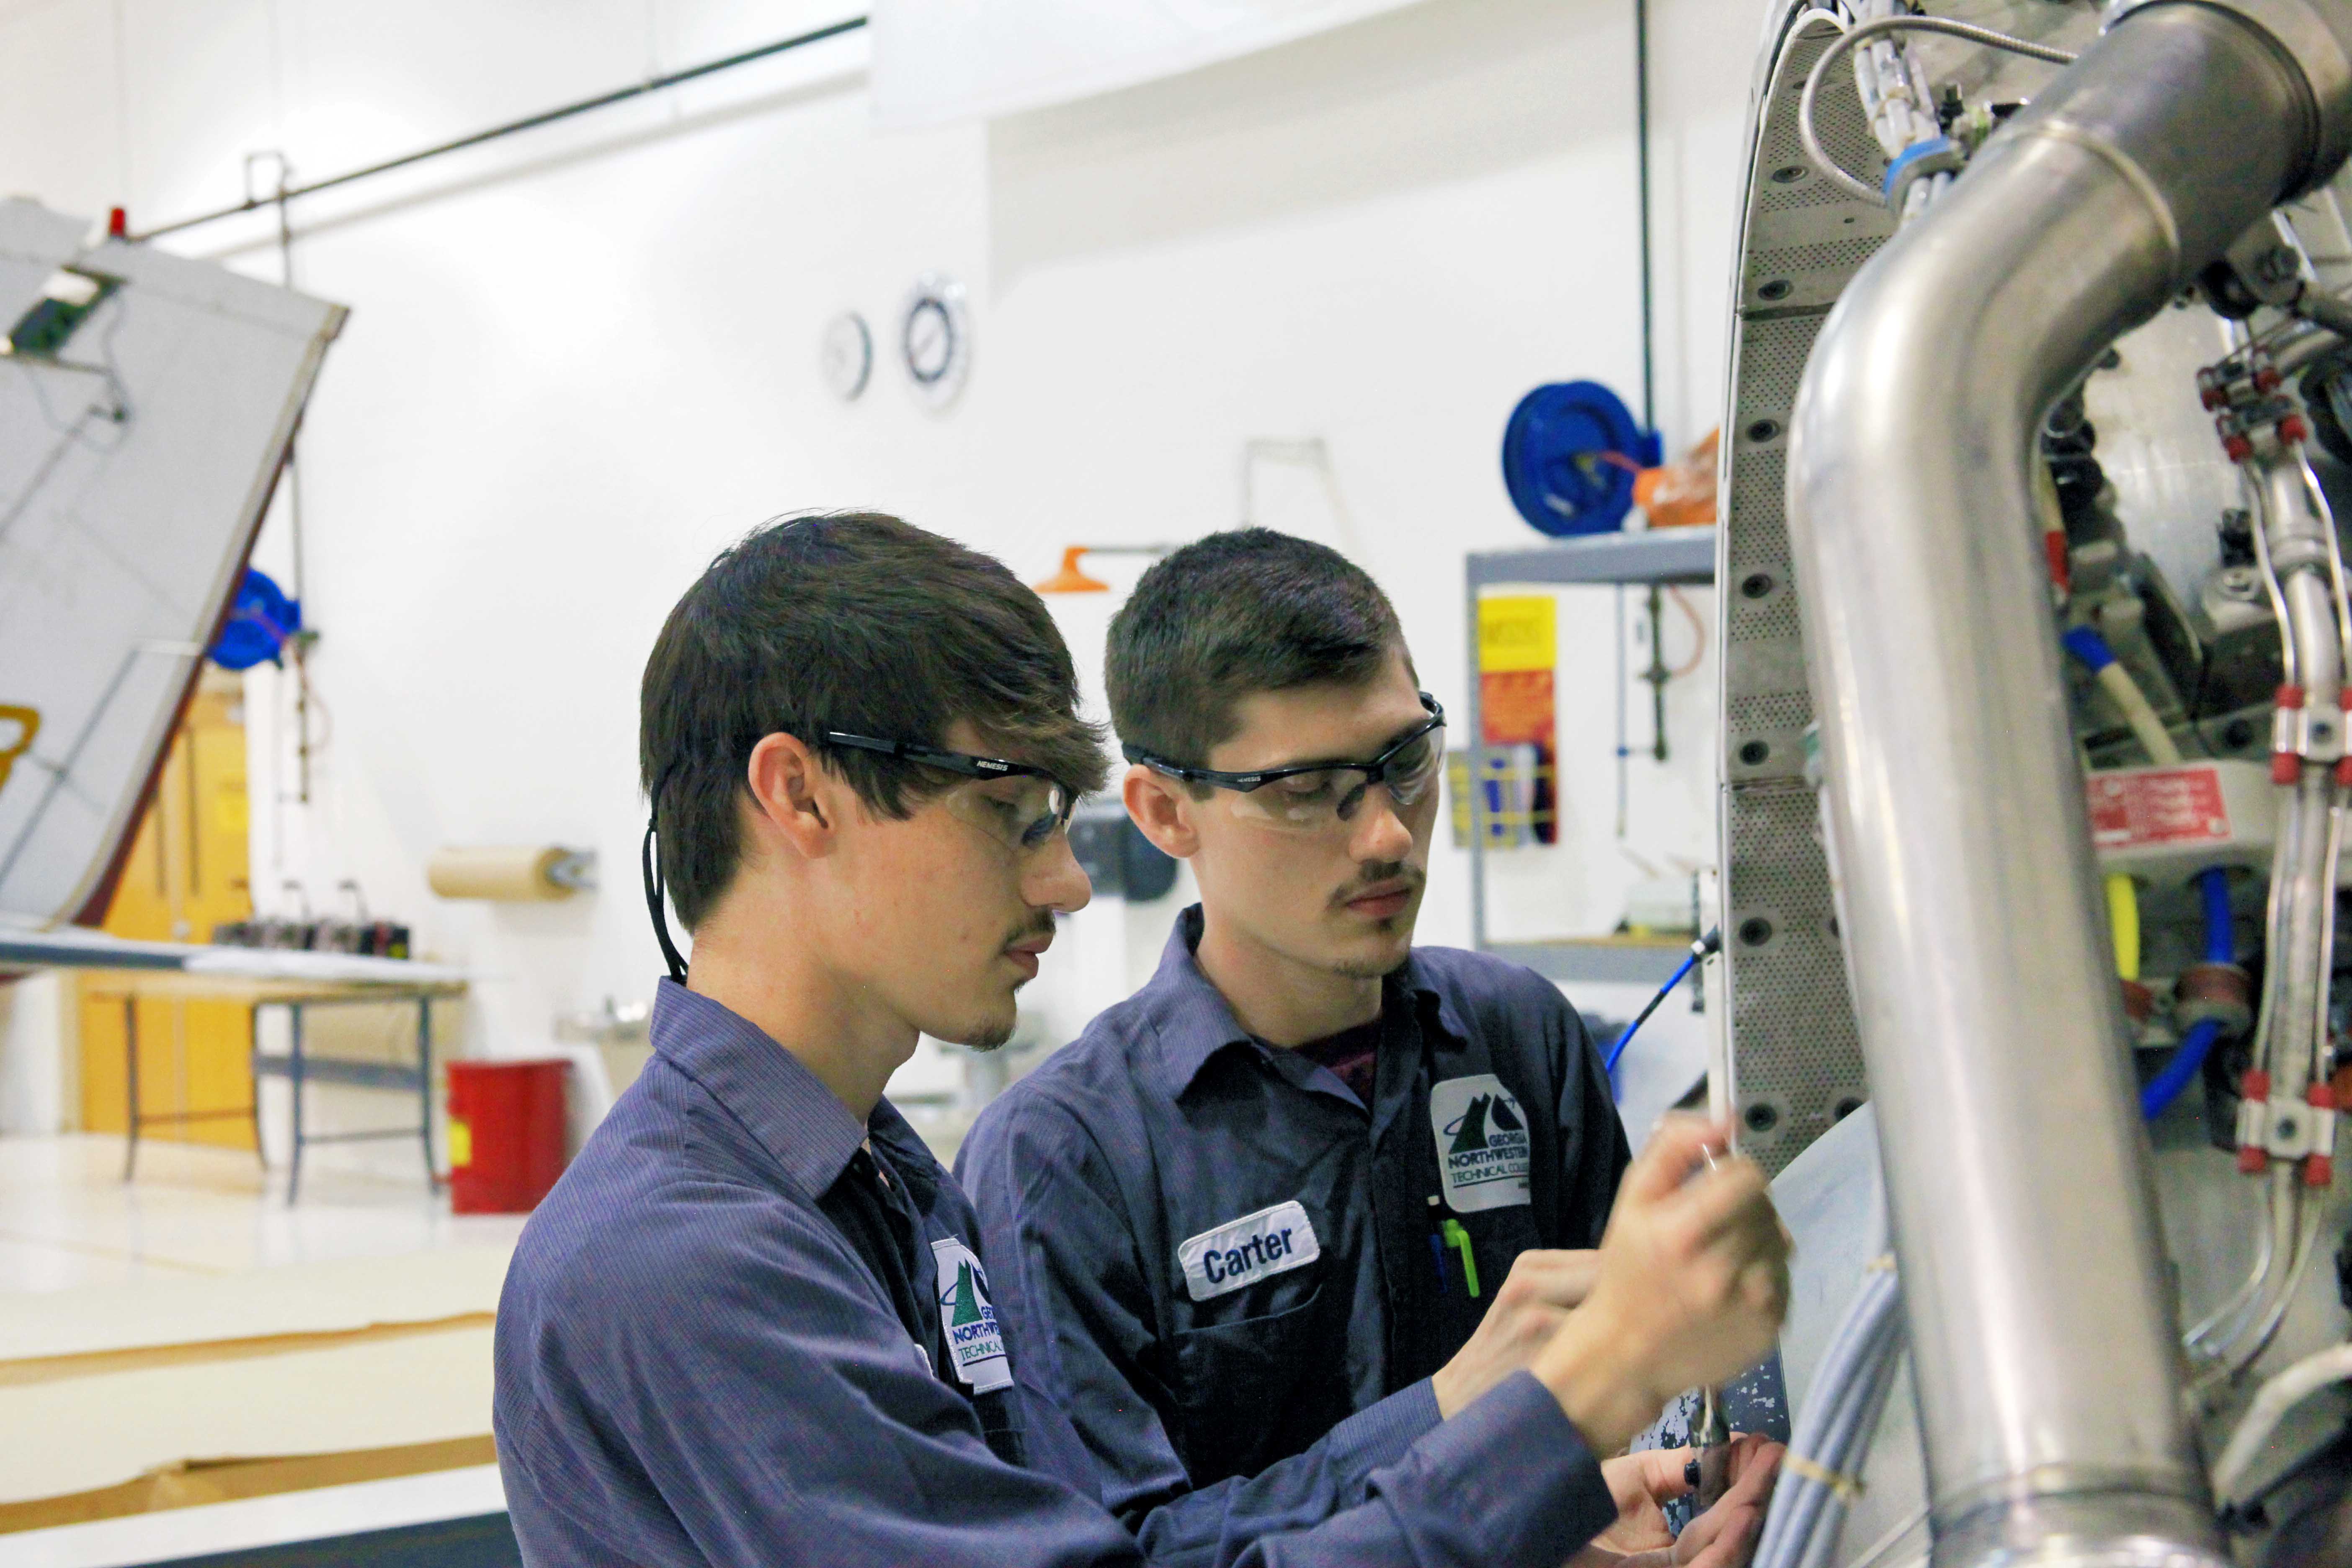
1527, 1312
1691, 1281
1723, 1536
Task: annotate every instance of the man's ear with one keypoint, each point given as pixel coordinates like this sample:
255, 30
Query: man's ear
1162, 809
799, 801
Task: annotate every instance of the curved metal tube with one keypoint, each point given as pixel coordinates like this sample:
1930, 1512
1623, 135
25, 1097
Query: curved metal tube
2047, 1360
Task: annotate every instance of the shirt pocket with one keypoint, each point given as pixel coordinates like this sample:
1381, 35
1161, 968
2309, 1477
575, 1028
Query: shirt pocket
1254, 1390
1497, 1237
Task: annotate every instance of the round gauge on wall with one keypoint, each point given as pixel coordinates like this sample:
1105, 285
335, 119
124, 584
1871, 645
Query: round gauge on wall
935, 339
846, 355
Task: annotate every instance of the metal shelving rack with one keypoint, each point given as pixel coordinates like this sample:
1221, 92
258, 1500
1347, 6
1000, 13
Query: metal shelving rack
1665, 557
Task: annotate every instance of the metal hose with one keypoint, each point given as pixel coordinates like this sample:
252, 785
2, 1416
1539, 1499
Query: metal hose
1810, 1497
2046, 1353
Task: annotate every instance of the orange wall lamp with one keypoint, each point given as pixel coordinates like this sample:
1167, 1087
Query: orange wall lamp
1072, 578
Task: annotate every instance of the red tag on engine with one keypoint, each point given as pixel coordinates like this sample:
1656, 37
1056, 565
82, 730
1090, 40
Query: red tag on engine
2158, 806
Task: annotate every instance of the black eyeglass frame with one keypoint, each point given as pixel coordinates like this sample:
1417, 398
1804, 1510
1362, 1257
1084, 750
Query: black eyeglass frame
1374, 772
964, 763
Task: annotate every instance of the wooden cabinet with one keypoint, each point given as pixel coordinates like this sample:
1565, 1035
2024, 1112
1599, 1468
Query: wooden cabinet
187, 872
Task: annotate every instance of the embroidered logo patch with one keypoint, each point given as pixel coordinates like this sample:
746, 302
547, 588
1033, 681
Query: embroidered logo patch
974, 1343
1482, 1152
1255, 1246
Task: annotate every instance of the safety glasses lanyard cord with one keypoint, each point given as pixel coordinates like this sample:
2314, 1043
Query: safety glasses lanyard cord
651, 867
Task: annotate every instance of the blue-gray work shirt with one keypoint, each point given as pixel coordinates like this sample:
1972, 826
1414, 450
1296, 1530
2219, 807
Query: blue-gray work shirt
1128, 1187
744, 1330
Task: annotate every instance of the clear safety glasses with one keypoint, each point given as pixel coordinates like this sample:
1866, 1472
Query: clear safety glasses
1311, 797
1020, 806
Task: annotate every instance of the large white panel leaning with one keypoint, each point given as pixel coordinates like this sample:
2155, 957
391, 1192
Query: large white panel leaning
136, 460
34, 243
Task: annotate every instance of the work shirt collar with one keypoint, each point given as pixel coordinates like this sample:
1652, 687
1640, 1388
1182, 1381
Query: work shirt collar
1193, 1022
787, 1109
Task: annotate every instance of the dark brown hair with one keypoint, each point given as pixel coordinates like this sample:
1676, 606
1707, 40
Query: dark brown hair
851, 621
1236, 613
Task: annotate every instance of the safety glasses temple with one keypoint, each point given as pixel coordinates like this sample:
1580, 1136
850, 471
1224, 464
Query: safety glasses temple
1375, 770
964, 763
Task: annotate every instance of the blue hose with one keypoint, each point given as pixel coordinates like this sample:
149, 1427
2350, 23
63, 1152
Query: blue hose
1709, 944
2220, 939
2220, 947
2090, 648
1617, 1049
2179, 1070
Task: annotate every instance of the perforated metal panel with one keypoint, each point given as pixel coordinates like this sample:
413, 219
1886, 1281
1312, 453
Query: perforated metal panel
1796, 1060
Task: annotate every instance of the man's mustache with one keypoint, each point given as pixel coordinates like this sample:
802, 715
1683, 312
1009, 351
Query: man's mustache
1409, 879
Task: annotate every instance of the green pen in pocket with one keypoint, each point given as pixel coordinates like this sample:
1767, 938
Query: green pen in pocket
1459, 1239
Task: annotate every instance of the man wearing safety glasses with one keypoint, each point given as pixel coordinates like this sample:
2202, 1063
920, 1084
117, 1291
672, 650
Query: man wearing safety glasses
755, 1323
1291, 1177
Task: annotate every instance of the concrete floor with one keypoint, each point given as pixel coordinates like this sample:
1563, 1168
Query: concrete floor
67, 1219
256, 1525
202, 1246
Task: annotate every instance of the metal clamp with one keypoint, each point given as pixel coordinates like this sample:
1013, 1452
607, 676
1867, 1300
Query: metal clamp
2279, 1128
2301, 733
1936, 156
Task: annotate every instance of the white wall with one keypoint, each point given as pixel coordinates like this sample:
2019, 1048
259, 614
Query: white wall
580, 361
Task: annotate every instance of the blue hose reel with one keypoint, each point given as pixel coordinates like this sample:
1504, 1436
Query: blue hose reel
1569, 455
260, 619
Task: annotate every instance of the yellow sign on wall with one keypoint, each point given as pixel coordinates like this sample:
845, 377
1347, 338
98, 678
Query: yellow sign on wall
1518, 650
1517, 632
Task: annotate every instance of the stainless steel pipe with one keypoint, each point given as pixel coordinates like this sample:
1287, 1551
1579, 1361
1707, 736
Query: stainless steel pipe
2299, 551
2046, 1357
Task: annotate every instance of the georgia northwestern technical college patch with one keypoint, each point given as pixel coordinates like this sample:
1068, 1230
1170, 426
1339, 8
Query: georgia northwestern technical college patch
975, 1344
1483, 1153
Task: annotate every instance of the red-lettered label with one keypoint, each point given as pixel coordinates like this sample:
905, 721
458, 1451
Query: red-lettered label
2158, 806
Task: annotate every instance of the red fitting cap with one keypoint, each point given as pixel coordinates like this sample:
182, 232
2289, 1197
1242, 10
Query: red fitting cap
2318, 1170
2286, 768
2053, 545
2288, 696
118, 224
2267, 379
2252, 1158
2237, 448
2344, 771
2321, 1094
2293, 429
2255, 1085
2211, 395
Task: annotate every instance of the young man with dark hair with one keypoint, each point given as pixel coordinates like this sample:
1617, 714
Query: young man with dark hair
1290, 1178
753, 1322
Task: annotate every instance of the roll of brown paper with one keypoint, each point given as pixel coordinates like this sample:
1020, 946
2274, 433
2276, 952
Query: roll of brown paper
509, 874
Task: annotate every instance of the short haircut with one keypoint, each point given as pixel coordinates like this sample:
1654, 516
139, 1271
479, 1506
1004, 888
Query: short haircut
851, 621
1237, 613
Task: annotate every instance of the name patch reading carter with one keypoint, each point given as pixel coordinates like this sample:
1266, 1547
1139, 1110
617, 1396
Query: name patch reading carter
1255, 1246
